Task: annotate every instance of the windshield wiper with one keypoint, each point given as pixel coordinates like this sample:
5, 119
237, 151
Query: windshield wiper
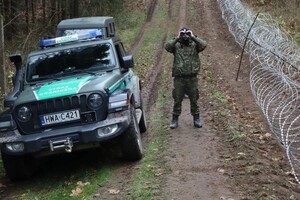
44, 78
80, 71
87, 71
71, 72
57, 75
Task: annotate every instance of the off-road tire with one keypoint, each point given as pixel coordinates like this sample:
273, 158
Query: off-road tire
143, 123
18, 167
131, 141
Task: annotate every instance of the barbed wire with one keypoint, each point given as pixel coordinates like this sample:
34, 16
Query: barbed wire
275, 75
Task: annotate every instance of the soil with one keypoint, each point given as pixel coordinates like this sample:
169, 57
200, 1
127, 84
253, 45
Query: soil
211, 163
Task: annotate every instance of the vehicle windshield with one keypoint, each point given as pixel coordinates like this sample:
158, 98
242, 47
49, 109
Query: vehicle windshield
86, 59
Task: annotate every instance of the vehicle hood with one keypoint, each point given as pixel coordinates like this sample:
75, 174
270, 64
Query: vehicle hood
69, 86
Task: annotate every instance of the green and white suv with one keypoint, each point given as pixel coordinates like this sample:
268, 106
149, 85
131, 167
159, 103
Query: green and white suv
77, 91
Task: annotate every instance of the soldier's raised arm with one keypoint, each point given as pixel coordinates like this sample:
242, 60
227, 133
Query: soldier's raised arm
170, 45
200, 44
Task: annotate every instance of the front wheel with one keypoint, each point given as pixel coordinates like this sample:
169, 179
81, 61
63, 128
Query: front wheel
142, 122
131, 141
18, 167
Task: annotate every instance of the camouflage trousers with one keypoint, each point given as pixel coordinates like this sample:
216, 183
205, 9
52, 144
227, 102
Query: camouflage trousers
182, 86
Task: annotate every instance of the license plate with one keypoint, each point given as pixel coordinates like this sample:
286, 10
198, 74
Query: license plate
60, 117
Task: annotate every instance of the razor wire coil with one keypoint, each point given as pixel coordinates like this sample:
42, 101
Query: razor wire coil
275, 75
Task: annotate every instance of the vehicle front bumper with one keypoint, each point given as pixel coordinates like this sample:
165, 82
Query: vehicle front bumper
52, 140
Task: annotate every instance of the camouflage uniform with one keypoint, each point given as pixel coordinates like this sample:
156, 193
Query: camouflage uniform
186, 66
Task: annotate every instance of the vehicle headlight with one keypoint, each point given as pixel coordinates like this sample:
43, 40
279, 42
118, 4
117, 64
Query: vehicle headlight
24, 113
108, 130
94, 101
15, 147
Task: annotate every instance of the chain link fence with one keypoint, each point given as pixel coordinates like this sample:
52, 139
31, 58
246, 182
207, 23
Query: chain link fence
274, 77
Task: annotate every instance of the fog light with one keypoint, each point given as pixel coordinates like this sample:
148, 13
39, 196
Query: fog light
108, 130
15, 147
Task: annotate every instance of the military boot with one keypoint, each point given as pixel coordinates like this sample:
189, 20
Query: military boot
174, 122
197, 122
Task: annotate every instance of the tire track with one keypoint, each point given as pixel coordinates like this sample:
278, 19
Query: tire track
140, 36
149, 92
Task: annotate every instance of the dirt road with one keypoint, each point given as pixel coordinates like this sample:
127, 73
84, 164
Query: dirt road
233, 156
193, 157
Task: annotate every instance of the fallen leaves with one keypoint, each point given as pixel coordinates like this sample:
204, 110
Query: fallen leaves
78, 190
113, 191
80, 183
241, 154
265, 136
221, 171
158, 174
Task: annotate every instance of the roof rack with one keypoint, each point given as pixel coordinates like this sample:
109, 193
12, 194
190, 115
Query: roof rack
71, 38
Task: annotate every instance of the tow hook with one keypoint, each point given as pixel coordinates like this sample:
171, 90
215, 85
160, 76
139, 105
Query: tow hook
66, 144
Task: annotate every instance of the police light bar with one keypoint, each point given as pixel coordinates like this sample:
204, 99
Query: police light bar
70, 38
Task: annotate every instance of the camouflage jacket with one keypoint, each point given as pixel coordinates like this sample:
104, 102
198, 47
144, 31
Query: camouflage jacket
186, 58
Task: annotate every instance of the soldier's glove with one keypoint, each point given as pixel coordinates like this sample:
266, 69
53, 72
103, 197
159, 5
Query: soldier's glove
181, 34
190, 33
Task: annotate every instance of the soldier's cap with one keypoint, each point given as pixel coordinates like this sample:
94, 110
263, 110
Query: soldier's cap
184, 29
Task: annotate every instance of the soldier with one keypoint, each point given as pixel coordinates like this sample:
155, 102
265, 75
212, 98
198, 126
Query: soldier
186, 65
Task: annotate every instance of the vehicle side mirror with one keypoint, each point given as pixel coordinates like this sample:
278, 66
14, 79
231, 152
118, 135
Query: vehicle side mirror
17, 60
17, 81
127, 62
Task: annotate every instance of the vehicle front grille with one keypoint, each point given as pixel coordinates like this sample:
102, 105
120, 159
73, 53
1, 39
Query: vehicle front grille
57, 105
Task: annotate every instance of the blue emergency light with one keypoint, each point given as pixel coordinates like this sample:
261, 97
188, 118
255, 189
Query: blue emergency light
70, 38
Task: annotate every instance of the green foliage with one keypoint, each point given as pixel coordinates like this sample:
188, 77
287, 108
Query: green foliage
220, 96
235, 136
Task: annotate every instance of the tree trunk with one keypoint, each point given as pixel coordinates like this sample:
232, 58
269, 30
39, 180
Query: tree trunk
2, 67
75, 10
44, 10
63, 9
27, 15
53, 10
33, 11
1, 7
